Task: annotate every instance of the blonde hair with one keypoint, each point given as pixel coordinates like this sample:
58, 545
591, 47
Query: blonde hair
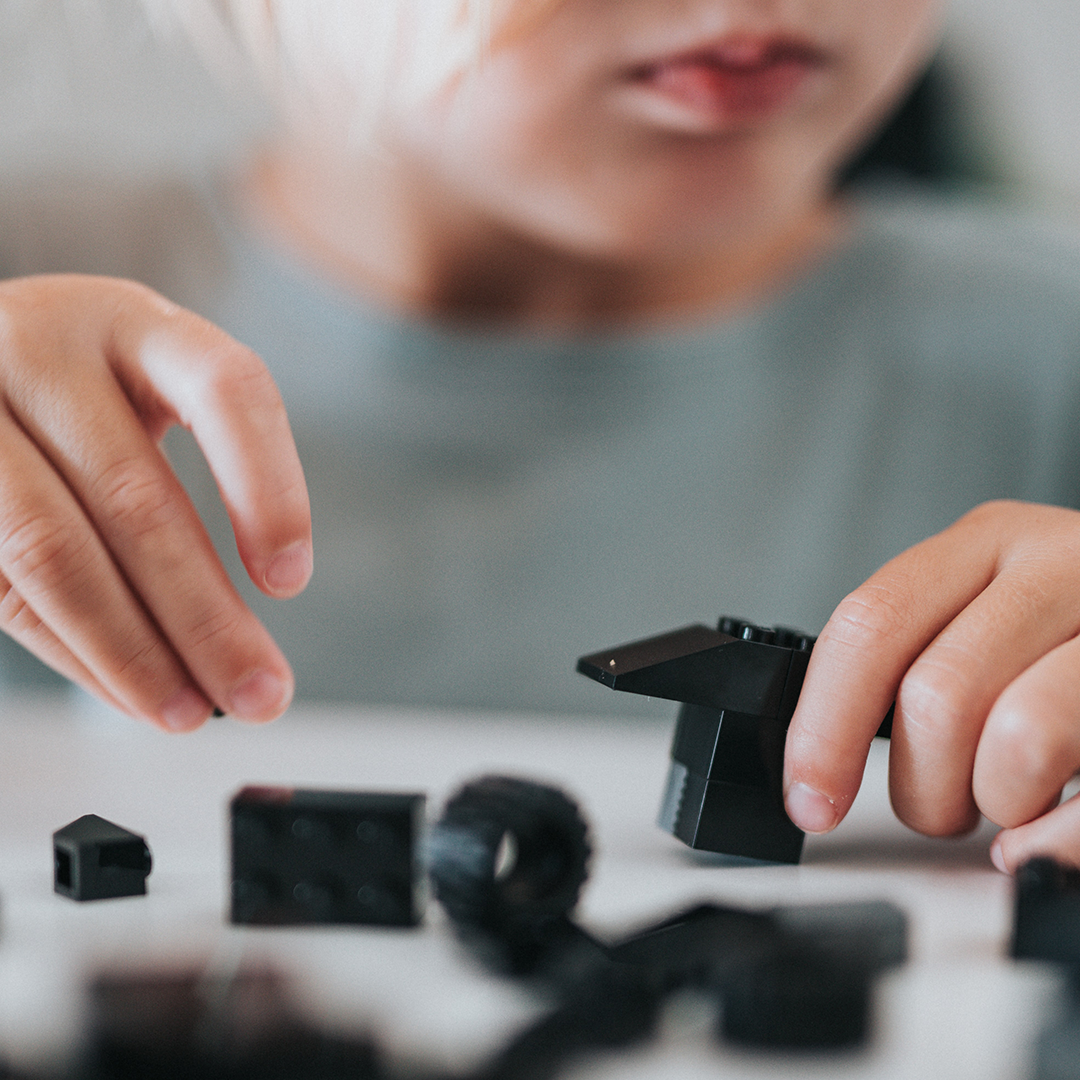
343, 61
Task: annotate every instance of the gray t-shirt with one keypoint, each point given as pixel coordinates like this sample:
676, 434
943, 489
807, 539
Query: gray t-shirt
487, 507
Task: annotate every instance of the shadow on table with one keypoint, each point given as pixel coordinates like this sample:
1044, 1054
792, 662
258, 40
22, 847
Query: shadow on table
902, 851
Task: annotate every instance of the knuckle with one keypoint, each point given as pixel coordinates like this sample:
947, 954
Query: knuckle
215, 631
1031, 749
933, 704
1027, 753
142, 663
135, 498
39, 548
16, 615
868, 618
233, 373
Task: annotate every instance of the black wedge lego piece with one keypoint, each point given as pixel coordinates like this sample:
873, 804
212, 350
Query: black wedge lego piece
326, 857
93, 859
1046, 922
739, 685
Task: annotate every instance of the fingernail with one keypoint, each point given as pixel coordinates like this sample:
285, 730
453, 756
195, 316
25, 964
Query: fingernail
186, 710
289, 569
995, 854
810, 810
259, 697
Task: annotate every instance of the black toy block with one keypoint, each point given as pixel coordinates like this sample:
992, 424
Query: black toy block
798, 999
507, 860
867, 934
93, 859
611, 1009
1057, 1048
1046, 917
183, 1024
708, 944
738, 685
326, 857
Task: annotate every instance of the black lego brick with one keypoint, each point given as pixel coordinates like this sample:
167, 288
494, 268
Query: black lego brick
731, 819
93, 859
738, 685
1046, 920
303, 857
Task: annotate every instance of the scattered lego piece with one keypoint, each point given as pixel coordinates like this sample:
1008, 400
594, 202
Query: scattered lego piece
325, 857
1046, 923
176, 1025
93, 859
794, 978
1057, 1047
697, 948
797, 999
871, 934
507, 861
610, 1010
738, 686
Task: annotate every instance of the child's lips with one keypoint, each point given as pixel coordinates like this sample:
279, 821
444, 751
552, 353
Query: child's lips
735, 81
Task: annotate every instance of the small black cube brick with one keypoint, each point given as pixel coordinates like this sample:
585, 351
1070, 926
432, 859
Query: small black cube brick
1046, 916
303, 857
93, 859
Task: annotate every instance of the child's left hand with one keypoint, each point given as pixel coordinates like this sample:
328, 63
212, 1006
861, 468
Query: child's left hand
973, 633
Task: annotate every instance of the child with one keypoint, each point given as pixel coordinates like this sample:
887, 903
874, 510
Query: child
574, 335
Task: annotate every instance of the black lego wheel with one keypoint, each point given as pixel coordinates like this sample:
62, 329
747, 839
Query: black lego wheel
509, 854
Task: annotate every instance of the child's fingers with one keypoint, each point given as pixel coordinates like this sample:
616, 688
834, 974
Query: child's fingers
1056, 834
855, 671
902, 636
1030, 746
126, 577
222, 392
21, 622
66, 589
949, 691
197, 620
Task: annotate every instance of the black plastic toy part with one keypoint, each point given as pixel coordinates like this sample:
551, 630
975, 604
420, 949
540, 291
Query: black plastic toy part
1057, 1047
93, 859
182, 1025
738, 686
325, 857
507, 860
1046, 922
1046, 927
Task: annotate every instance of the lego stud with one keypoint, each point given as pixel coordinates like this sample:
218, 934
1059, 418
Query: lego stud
93, 859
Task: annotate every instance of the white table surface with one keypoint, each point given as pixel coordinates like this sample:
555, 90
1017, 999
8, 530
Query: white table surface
959, 1008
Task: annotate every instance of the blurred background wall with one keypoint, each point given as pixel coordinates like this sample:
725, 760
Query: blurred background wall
90, 82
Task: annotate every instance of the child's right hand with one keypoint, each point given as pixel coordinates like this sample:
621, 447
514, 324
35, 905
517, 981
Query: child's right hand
106, 571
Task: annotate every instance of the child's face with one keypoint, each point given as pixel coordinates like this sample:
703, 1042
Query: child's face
632, 127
